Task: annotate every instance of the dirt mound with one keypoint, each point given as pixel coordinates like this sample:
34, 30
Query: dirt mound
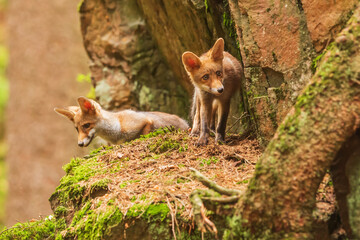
140, 190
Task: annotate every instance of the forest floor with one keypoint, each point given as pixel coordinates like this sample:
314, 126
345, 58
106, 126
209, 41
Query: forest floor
158, 167
151, 178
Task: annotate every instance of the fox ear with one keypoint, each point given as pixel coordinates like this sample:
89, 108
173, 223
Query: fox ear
217, 51
86, 105
191, 61
69, 113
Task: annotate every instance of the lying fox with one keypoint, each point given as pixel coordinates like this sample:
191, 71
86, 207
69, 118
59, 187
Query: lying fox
115, 127
216, 76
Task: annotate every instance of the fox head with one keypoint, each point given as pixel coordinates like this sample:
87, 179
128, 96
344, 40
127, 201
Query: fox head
206, 72
84, 118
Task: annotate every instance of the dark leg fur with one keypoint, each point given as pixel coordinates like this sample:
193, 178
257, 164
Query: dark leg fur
223, 113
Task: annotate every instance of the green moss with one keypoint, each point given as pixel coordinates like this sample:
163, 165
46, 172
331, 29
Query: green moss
157, 212
243, 181
91, 224
41, 229
60, 211
157, 132
78, 170
152, 212
167, 144
79, 5
208, 161
206, 3
100, 185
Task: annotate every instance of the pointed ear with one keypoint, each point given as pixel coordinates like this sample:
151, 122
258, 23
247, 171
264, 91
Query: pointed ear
69, 113
191, 61
217, 51
86, 105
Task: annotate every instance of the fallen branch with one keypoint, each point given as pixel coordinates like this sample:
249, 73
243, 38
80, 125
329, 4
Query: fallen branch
212, 185
198, 197
227, 200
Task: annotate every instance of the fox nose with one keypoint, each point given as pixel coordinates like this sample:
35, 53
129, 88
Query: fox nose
220, 90
81, 144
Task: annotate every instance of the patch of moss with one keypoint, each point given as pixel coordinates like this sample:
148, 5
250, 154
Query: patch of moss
41, 229
208, 161
60, 211
157, 212
157, 132
78, 170
79, 5
152, 212
101, 184
91, 224
166, 144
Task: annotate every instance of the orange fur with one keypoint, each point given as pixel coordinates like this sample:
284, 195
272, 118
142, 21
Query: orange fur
216, 76
115, 127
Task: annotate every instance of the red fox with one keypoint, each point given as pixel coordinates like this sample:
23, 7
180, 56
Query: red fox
216, 76
115, 127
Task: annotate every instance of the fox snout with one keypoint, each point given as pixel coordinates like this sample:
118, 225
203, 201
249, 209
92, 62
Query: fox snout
218, 90
85, 139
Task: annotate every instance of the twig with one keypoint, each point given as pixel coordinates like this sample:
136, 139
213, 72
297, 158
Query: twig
245, 160
209, 224
355, 81
227, 200
237, 120
212, 185
172, 218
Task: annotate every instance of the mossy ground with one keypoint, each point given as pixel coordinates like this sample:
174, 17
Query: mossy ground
138, 191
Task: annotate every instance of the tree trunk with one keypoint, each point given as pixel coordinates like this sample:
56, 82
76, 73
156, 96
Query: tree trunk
281, 196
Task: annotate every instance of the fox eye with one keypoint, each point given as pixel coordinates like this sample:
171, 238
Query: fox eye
218, 73
205, 77
86, 125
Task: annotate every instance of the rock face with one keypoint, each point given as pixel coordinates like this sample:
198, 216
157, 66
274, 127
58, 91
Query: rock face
135, 49
325, 19
127, 68
46, 54
278, 42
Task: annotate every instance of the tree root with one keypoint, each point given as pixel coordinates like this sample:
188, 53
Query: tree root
210, 198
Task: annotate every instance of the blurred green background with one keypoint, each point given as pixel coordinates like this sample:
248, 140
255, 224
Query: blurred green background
4, 93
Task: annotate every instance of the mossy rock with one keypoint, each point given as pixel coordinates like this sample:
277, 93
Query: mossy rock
138, 190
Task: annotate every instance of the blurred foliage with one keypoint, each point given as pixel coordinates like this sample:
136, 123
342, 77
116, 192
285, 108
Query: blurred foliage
82, 78
3, 183
4, 87
3, 4
4, 94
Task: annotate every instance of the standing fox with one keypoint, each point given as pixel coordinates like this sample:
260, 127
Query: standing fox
216, 76
115, 127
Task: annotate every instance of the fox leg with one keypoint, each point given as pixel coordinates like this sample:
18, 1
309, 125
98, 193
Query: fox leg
223, 113
213, 116
149, 127
205, 115
195, 112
